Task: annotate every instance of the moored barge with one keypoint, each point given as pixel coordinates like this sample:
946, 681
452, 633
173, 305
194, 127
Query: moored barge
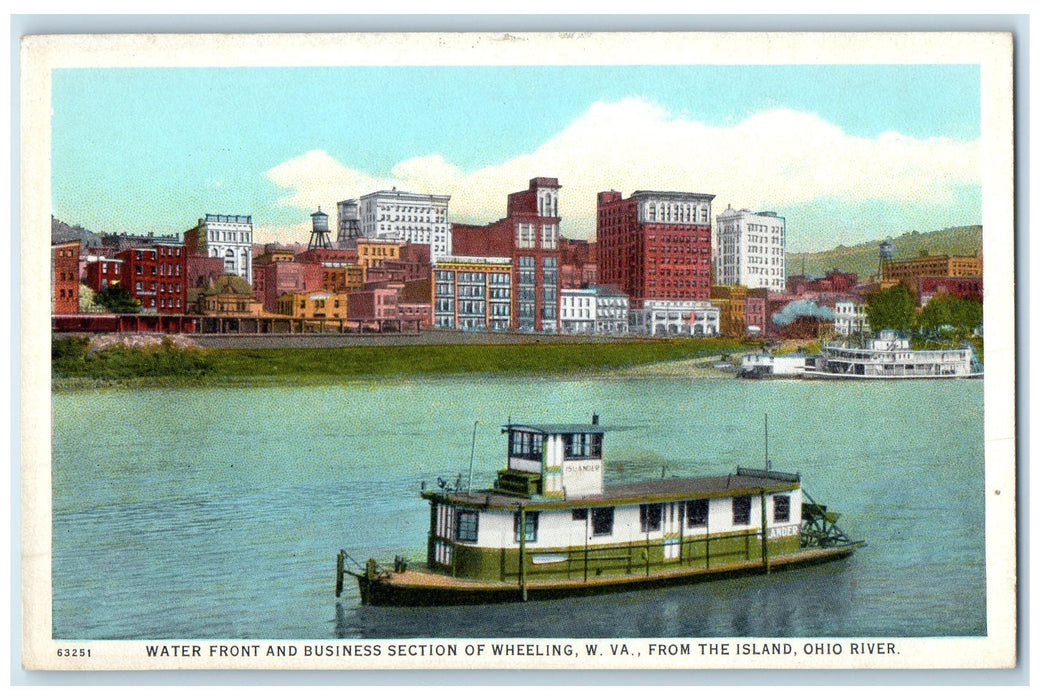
549, 527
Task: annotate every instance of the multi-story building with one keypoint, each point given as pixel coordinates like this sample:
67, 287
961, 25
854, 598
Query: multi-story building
577, 263
611, 310
675, 317
599, 310
932, 266
578, 311
833, 281
850, 316
203, 270
655, 245
317, 304
273, 279
372, 252
407, 216
750, 249
228, 237
732, 303
960, 287
472, 293
157, 277
65, 277
530, 237
103, 272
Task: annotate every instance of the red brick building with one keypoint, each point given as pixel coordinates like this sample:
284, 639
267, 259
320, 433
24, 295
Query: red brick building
530, 237
272, 280
655, 245
202, 270
577, 263
104, 273
833, 281
65, 278
157, 276
961, 287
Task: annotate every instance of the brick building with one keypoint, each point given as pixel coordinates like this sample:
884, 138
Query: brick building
655, 245
530, 237
273, 279
157, 277
833, 281
577, 263
472, 293
104, 272
65, 278
960, 287
202, 270
932, 266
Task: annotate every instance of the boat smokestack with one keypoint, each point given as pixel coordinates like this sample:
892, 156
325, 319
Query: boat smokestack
595, 419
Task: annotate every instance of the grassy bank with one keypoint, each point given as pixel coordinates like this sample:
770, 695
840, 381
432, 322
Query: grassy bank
166, 365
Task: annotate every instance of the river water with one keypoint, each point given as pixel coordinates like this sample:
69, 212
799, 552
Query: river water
218, 513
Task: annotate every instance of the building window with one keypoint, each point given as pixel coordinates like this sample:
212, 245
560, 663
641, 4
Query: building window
742, 510
580, 514
697, 513
466, 525
602, 521
781, 509
530, 527
650, 517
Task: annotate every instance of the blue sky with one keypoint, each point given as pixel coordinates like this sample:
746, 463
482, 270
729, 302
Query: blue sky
846, 153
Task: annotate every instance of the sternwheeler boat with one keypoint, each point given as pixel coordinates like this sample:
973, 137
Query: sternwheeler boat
889, 356
549, 527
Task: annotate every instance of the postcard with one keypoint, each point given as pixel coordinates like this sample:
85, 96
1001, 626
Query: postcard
518, 351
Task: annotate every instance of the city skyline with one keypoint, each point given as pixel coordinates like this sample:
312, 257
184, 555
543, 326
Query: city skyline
845, 153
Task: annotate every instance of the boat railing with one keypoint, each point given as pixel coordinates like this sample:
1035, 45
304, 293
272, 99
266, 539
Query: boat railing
635, 557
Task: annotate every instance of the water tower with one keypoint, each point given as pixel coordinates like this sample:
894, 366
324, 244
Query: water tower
349, 229
319, 230
886, 253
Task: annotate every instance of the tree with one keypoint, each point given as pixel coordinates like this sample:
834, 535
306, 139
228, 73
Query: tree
949, 315
892, 308
117, 300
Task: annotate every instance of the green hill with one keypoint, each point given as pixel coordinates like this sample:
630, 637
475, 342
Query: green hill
863, 258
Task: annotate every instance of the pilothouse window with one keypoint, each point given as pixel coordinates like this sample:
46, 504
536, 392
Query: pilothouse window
525, 445
585, 445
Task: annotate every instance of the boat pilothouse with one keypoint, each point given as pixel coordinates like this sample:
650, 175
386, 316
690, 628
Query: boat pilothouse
550, 527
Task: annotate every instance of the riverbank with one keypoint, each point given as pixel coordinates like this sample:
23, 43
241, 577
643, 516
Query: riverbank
76, 365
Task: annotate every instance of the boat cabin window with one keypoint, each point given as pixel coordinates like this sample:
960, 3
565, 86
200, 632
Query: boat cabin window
742, 510
580, 513
602, 521
530, 527
584, 445
649, 517
525, 445
466, 524
697, 513
781, 509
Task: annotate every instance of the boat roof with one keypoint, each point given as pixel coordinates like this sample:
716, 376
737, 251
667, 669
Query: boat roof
557, 428
745, 482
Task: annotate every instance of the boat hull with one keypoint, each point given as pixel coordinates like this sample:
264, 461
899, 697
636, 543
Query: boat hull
415, 589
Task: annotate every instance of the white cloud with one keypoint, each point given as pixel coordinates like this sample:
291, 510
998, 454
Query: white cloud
771, 160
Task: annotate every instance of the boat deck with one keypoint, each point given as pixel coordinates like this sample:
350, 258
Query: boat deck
423, 587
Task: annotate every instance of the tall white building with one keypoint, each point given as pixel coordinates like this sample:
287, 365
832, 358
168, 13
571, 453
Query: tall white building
228, 237
407, 216
750, 249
